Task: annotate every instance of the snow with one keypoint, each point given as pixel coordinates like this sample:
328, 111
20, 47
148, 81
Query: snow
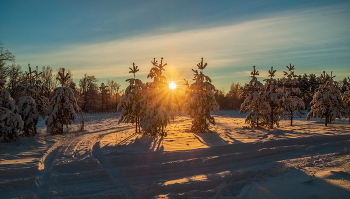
108, 160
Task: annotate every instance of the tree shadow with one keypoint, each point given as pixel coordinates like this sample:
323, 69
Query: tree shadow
227, 134
148, 143
339, 175
275, 133
211, 138
157, 144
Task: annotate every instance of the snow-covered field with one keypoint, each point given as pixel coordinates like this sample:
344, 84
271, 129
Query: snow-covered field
108, 160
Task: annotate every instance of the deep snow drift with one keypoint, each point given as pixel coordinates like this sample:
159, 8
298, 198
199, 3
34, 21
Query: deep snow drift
108, 160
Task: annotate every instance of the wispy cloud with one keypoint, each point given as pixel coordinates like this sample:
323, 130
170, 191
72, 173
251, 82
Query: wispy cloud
273, 41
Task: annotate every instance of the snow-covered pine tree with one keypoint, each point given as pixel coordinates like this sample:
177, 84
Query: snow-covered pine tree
200, 100
31, 103
275, 97
346, 100
10, 122
254, 102
130, 104
63, 106
155, 116
293, 103
327, 101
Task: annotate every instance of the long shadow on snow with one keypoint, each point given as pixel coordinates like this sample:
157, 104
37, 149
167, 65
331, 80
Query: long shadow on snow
168, 156
210, 139
149, 143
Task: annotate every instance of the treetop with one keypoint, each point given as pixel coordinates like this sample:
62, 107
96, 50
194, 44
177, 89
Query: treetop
63, 78
254, 72
201, 66
272, 72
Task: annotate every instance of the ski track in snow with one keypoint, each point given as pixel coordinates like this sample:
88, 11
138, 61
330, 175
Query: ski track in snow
111, 161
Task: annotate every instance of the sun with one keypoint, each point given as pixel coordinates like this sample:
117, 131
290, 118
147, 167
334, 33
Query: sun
172, 85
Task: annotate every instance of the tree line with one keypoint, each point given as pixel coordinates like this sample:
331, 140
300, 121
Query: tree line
307, 83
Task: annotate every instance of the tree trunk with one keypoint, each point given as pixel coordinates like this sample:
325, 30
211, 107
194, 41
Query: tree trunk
101, 102
291, 118
136, 127
116, 101
36, 123
85, 101
326, 120
138, 119
271, 117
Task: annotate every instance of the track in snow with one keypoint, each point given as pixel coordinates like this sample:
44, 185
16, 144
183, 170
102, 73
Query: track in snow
201, 172
77, 166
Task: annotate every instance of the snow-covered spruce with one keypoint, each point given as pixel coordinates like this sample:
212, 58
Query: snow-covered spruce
10, 122
327, 102
63, 106
346, 100
155, 111
200, 100
130, 104
254, 102
31, 103
275, 98
293, 103
29, 113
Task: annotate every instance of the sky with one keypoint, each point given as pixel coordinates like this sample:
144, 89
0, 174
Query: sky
103, 38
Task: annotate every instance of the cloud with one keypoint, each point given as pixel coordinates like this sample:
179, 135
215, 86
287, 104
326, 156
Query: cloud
273, 41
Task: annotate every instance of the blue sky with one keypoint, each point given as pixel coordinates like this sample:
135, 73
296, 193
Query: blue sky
104, 38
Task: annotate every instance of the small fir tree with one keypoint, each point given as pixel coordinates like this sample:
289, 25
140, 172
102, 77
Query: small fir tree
63, 106
275, 97
200, 100
346, 100
32, 103
10, 122
130, 103
327, 102
155, 114
293, 103
254, 102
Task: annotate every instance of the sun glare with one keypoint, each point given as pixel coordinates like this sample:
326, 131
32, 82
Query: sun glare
172, 85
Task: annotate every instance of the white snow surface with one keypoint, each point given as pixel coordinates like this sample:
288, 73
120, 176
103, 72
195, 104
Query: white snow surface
108, 160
